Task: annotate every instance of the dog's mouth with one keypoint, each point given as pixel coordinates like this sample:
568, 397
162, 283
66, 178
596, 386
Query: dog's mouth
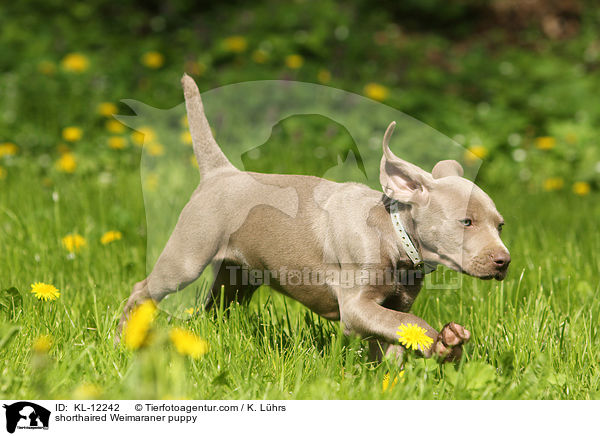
501, 275
498, 275
483, 269
487, 274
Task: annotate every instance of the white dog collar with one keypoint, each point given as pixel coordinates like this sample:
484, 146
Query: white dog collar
407, 244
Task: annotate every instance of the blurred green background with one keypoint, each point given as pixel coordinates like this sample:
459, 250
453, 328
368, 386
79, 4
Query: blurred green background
513, 82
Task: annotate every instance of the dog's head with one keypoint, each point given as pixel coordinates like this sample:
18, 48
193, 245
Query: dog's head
457, 224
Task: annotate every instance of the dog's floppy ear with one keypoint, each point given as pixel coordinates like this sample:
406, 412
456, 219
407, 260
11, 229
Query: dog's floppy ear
401, 180
445, 168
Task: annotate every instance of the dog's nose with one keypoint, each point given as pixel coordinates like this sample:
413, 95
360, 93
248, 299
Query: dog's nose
501, 259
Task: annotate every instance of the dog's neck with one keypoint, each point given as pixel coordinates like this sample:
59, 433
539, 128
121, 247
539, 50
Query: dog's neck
403, 237
402, 211
408, 225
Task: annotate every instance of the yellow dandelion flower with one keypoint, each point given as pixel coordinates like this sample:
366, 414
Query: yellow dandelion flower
294, 61
191, 310
67, 163
72, 133
8, 149
376, 91
194, 161
136, 330
553, 184
114, 126
87, 391
45, 292
42, 344
475, 152
107, 109
47, 68
153, 59
142, 134
260, 56
155, 149
413, 336
75, 63
110, 236
545, 142
386, 381
324, 76
137, 138
235, 44
73, 242
117, 142
188, 343
186, 138
2, 173
581, 188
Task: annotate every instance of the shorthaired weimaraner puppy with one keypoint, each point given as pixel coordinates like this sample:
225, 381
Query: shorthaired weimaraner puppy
345, 251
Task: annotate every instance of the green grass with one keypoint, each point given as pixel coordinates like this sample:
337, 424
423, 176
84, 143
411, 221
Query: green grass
534, 335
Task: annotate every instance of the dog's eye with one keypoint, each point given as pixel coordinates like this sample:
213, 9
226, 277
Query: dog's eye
467, 222
500, 227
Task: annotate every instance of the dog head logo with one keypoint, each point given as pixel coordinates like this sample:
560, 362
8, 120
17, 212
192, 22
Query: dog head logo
26, 415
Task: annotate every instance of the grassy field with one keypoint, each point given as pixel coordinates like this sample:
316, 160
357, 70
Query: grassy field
534, 335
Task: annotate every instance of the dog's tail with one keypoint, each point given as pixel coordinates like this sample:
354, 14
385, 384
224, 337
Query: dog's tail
207, 151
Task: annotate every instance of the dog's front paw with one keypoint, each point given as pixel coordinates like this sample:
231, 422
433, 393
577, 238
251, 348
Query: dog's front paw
449, 342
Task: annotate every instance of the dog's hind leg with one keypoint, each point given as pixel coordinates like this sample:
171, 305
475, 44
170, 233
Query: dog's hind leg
230, 284
194, 243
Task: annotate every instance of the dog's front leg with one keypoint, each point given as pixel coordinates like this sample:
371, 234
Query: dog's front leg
363, 315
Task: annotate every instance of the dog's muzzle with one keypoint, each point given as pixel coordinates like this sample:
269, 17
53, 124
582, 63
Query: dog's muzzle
500, 260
